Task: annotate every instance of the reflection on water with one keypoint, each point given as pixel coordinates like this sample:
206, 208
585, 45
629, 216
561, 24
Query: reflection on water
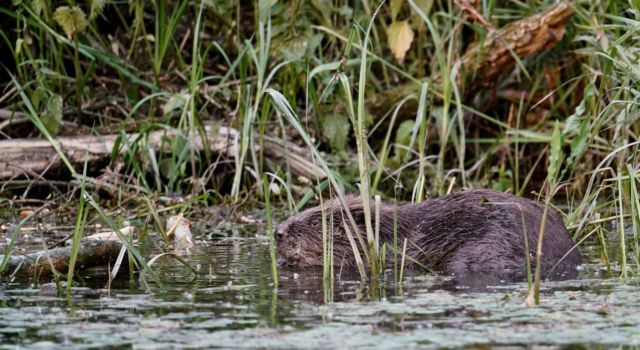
232, 304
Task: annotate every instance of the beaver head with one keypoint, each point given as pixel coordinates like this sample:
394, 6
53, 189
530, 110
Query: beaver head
299, 238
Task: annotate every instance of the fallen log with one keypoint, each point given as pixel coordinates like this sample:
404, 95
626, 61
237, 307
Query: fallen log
91, 253
37, 156
96, 250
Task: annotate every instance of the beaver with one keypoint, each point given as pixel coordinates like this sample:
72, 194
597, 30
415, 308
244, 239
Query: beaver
460, 233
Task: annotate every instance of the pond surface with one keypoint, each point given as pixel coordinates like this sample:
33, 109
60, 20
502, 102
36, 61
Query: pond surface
232, 304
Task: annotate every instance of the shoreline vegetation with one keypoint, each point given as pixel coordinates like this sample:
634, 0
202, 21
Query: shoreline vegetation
129, 112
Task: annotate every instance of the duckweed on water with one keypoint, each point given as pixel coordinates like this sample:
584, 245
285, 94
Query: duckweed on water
235, 307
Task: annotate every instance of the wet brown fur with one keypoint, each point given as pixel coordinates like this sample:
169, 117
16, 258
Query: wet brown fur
461, 233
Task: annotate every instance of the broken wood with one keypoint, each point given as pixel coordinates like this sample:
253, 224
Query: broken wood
484, 62
96, 250
91, 253
22, 157
497, 53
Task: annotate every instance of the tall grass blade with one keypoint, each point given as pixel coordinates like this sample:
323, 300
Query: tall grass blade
283, 106
81, 220
270, 233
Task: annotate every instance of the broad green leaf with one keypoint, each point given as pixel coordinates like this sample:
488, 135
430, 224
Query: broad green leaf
38, 96
555, 156
294, 42
19, 43
573, 122
167, 167
176, 101
579, 123
71, 19
403, 137
335, 129
579, 143
52, 117
399, 37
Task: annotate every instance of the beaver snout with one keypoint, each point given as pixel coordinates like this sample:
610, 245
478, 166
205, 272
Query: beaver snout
280, 231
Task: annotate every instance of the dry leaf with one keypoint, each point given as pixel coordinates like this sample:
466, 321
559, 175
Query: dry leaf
399, 37
71, 19
25, 213
180, 228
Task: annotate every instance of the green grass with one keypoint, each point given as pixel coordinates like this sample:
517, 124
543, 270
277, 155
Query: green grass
272, 242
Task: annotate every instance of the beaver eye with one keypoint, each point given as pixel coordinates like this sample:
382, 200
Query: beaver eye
315, 222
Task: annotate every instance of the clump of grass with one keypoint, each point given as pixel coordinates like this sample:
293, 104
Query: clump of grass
81, 220
555, 160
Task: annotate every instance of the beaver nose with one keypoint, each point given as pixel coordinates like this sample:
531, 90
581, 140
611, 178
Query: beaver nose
280, 231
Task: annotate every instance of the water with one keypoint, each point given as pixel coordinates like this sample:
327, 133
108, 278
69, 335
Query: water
232, 304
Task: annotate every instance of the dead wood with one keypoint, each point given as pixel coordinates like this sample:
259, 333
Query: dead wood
297, 157
523, 38
484, 62
7, 114
22, 157
99, 249
91, 253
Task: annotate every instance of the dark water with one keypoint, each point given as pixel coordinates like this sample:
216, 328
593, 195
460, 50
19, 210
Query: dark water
232, 304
